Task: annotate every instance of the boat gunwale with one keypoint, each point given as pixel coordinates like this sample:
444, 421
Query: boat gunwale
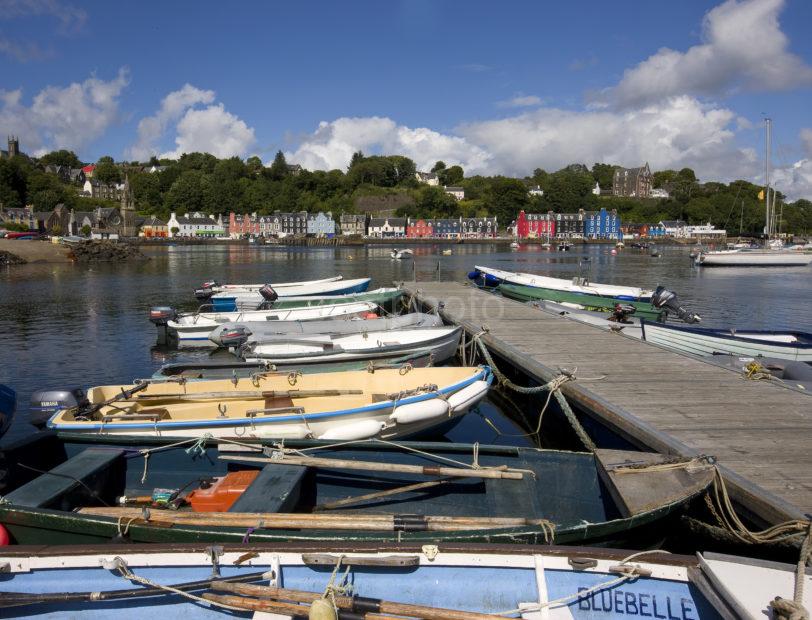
804, 342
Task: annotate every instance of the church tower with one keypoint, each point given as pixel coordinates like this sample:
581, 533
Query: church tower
13, 146
127, 210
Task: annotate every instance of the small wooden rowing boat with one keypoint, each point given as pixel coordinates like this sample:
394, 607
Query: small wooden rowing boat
336, 405
440, 342
371, 492
473, 582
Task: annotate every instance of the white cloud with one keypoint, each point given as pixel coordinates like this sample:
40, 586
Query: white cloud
173, 106
333, 143
521, 101
212, 130
71, 18
69, 117
743, 48
806, 140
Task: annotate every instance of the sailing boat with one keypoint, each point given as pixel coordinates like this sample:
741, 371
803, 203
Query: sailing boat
773, 254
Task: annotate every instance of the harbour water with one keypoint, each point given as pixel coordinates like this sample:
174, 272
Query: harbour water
68, 325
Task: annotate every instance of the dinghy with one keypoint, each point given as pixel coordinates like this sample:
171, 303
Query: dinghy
194, 329
212, 287
487, 276
787, 345
372, 492
746, 257
235, 334
285, 581
335, 405
401, 254
441, 342
233, 300
381, 296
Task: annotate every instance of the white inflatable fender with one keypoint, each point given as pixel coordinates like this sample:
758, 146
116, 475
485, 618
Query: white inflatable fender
417, 412
362, 429
287, 432
468, 395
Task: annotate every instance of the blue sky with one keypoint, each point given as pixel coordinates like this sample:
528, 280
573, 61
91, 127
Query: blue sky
498, 88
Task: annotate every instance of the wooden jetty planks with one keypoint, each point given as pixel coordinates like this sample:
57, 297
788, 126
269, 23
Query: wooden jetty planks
656, 398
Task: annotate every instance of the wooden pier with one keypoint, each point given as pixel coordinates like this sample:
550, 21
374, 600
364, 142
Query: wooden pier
760, 431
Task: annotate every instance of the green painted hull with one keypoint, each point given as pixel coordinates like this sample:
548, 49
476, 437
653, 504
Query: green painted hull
325, 300
589, 302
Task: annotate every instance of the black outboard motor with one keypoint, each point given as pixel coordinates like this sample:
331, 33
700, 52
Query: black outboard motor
206, 290
230, 336
667, 300
45, 403
622, 312
268, 293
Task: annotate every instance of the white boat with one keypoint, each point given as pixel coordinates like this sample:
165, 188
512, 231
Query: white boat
352, 405
747, 257
212, 287
441, 342
514, 245
493, 277
233, 300
401, 254
239, 333
194, 329
97, 581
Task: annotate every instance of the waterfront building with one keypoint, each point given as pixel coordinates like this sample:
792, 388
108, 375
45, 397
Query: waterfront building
602, 224
570, 225
154, 228
705, 232
387, 227
428, 178
419, 229
289, 224
535, 225
21, 216
353, 224
243, 224
479, 227
321, 225
674, 228
446, 228
195, 224
632, 182
457, 192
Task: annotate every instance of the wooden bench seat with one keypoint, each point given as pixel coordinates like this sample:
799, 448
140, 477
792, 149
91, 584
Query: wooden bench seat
275, 489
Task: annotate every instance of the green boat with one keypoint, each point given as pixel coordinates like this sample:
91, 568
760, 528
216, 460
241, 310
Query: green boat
93, 489
380, 296
596, 303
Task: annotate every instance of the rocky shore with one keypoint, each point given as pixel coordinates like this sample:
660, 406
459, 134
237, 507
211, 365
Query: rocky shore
105, 251
7, 258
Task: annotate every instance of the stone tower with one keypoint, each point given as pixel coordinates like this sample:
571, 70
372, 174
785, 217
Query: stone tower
13, 146
127, 210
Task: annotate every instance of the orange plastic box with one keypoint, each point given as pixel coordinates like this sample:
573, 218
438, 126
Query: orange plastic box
223, 492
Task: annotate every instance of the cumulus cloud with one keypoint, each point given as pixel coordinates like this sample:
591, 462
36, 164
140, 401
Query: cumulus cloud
521, 101
173, 106
69, 117
212, 130
333, 143
743, 48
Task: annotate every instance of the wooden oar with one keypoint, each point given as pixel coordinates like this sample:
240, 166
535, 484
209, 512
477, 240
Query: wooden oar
248, 394
318, 521
349, 501
123, 395
498, 473
278, 607
357, 604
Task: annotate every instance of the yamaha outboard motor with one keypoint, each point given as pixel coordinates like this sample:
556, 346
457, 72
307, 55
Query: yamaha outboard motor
230, 336
206, 290
268, 293
667, 300
160, 316
622, 312
45, 403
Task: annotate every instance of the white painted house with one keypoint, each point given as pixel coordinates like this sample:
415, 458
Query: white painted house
383, 227
597, 189
536, 191
194, 224
429, 178
457, 192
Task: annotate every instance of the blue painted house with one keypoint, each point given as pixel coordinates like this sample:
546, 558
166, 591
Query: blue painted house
602, 224
321, 225
446, 228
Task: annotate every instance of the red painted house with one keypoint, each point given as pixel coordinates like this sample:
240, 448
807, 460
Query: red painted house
243, 224
535, 225
416, 229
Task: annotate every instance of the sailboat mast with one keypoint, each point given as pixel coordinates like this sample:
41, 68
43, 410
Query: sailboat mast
767, 150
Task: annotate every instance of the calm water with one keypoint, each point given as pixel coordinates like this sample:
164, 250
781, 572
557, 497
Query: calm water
72, 325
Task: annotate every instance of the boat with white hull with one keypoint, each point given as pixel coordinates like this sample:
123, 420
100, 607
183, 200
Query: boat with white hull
239, 333
233, 300
746, 257
489, 276
194, 329
212, 287
441, 342
337, 406
401, 254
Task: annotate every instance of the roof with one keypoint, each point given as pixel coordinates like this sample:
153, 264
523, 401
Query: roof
89, 168
673, 223
194, 220
393, 221
154, 221
454, 188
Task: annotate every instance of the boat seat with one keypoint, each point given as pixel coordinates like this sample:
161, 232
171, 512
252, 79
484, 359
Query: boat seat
48, 488
275, 489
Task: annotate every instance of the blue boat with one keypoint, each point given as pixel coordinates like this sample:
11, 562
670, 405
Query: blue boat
463, 582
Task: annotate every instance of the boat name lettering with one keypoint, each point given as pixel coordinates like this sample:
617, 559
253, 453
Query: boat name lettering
637, 604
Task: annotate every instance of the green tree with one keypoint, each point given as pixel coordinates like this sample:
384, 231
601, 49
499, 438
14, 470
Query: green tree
440, 165
356, 158
451, 176
13, 183
569, 189
85, 230
107, 172
403, 168
205, 162
106, 159
61, 158
506, 197
279, 167
604, 174
254, 165
191, 192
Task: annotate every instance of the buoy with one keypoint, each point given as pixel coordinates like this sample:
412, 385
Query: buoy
322, 609
613, 252
5, 539
370, 315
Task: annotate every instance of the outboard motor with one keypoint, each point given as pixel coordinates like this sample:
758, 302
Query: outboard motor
161, 315
45, 403
268, 293
230, 336
622, 312
667, 300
